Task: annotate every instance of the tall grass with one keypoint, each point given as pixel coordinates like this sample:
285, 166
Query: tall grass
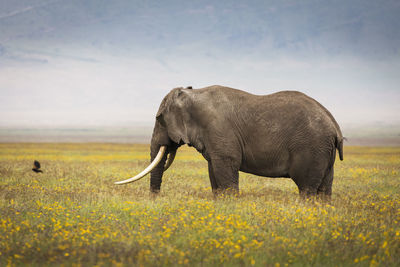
73, 214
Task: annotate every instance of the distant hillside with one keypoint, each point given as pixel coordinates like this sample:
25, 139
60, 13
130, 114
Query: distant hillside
361, 135
96, 134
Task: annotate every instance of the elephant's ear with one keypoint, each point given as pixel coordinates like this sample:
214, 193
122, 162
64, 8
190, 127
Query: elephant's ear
172, 114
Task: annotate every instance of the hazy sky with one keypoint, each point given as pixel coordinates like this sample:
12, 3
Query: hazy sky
93, 62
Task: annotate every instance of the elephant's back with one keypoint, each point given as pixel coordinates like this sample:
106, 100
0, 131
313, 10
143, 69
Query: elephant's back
297, 111
286, 111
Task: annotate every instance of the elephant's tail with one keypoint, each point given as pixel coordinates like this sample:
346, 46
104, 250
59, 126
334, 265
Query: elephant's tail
339, 146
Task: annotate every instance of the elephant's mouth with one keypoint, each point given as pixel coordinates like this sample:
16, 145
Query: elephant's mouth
152, 165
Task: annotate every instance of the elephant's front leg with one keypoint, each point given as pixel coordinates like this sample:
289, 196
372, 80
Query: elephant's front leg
224, 175
213, 182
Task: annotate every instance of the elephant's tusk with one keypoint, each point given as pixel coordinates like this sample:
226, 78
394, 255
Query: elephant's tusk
148, 169
170, 159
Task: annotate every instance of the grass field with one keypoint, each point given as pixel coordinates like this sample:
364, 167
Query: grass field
72, 214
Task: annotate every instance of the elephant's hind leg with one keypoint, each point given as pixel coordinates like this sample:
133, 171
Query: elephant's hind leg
308, 174
325, 189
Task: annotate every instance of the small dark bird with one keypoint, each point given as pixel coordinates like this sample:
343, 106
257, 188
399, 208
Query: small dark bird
36, 166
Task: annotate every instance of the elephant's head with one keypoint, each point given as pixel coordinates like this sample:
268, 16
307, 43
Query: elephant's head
170, 131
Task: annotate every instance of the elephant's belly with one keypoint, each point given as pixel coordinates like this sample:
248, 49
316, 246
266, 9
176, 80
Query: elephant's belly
266, 165
265, 173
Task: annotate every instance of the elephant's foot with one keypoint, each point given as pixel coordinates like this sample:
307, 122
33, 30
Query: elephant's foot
229, 191
315, 196
307, 193
323, 197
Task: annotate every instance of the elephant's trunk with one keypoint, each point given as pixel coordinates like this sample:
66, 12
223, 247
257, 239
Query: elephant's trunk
157, 173
159, 138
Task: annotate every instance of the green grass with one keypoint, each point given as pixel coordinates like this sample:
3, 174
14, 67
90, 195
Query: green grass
73, 214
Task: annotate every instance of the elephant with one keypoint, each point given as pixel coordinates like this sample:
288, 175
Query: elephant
283, 134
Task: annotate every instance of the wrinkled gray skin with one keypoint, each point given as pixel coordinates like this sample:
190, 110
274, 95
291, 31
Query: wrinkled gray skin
285, 134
